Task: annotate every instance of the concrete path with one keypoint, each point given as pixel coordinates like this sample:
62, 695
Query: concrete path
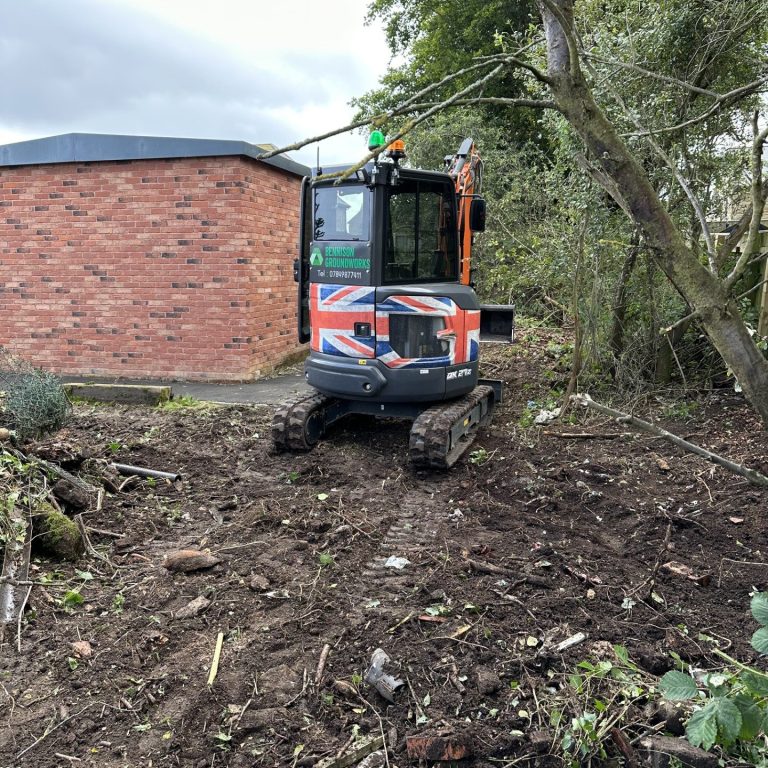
262, 392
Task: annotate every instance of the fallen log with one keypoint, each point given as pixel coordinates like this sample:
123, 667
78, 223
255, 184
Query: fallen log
15, 573
625, 418
56, 533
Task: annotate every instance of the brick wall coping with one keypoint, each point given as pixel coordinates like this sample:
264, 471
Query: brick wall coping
96, 147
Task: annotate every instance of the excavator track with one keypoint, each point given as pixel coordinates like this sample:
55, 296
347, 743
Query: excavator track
442, 433
298, 424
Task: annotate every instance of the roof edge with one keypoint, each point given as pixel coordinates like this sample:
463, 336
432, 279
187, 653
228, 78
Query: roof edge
104, 147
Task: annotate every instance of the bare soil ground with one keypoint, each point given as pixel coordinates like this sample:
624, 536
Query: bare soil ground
576, 528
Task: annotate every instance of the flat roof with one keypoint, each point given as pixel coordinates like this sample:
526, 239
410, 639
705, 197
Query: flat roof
100, 147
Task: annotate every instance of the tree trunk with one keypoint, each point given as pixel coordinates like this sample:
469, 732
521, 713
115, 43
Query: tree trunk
616, 338
664, 357
699, 287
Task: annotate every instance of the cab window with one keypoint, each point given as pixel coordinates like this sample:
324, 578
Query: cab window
342, 213
420, 241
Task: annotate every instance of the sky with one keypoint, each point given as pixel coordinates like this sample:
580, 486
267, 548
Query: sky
263, 72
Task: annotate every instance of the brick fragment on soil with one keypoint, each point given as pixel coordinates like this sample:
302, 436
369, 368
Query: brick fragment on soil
439, 747
82, 649
186, 560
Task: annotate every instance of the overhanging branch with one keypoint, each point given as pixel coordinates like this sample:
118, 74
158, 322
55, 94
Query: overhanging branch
725, 100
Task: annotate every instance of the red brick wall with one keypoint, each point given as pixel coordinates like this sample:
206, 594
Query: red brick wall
149, 268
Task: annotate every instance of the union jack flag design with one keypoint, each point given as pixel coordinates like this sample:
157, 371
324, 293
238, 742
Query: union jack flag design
335, 309
461, 331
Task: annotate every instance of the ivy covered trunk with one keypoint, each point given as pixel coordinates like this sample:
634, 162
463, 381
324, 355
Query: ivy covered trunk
703, 291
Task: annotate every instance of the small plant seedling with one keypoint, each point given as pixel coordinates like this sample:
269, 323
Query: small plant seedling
325, 558
118, 601
72, 599
223, 740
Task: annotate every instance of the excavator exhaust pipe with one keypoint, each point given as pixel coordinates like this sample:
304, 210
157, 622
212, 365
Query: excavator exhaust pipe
497, 323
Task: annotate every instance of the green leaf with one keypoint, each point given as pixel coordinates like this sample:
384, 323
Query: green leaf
72, 599
751, 716
701, 729
622, 654
728, 720
759, 606
760, 640
322, 497
715, 680
756, 684
677, 686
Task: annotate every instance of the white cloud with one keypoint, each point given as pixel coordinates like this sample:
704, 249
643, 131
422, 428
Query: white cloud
234, 69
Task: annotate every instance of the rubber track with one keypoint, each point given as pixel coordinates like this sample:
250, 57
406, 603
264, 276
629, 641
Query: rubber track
289, 420
430, 432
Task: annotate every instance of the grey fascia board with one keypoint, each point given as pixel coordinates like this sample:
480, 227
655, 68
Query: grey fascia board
96, 147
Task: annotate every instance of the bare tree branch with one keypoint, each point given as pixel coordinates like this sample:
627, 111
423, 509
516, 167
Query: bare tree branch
532, 103
725, 100
752, 475
692, 315
401, 109
410, 105
411, 124
537, 73
681, 180
656, 75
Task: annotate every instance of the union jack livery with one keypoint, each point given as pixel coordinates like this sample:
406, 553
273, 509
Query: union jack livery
334, 310
460, 332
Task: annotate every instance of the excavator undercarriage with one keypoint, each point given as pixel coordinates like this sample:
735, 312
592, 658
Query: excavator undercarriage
440, 433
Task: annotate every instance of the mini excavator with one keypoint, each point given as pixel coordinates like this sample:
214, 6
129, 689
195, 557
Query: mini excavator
386, 300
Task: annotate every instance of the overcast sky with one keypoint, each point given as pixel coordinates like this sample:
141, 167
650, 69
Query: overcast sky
230, 69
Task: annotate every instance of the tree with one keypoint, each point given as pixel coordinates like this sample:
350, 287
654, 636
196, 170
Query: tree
645, 144
620, 174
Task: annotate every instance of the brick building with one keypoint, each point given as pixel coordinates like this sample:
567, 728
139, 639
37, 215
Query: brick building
133, 256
